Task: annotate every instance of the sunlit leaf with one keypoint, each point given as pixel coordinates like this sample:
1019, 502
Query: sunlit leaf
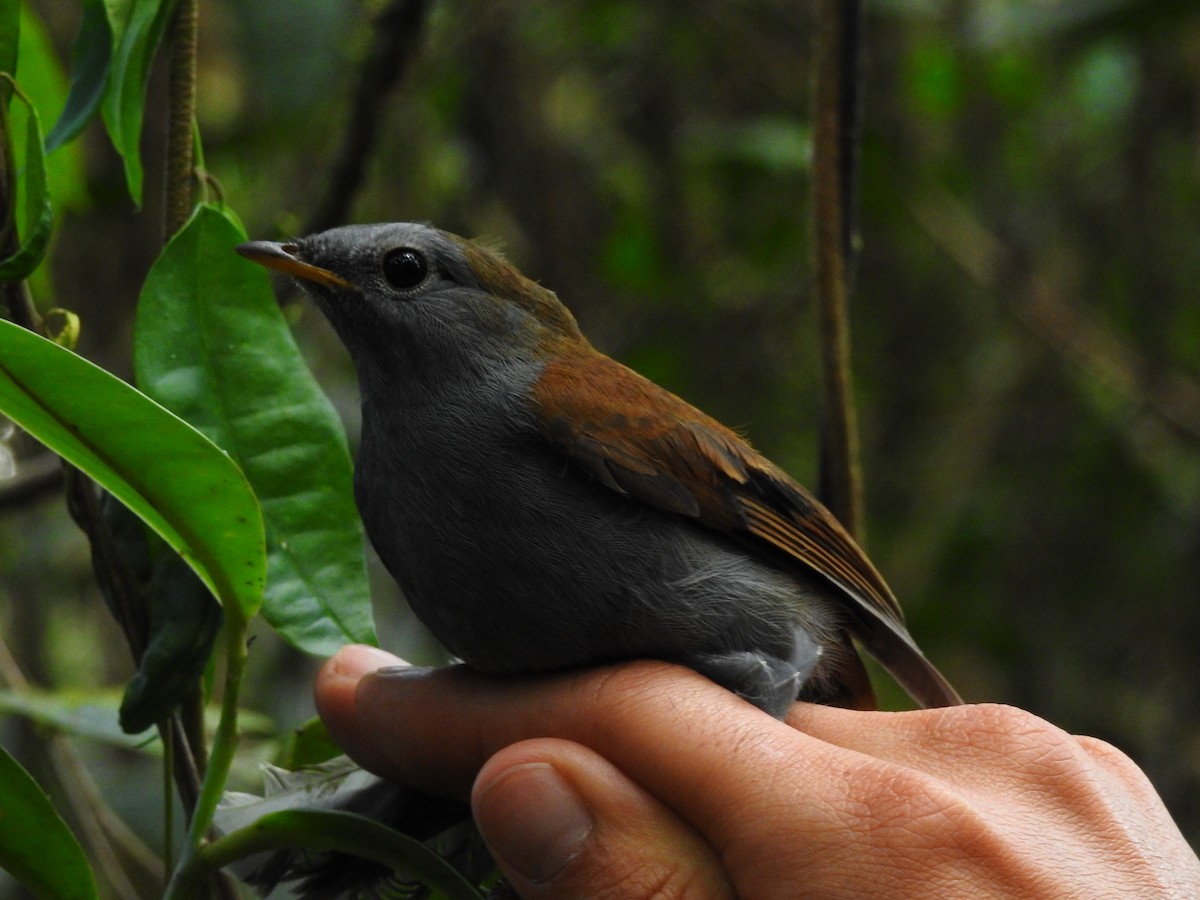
212, 346
164, 470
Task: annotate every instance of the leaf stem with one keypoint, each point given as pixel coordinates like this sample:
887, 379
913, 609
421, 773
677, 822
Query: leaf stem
327, 831
223, 748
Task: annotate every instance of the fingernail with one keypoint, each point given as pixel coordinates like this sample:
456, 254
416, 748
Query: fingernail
533, 820
356, 660
405, 671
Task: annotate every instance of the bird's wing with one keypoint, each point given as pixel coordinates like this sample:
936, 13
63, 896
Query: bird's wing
643, 441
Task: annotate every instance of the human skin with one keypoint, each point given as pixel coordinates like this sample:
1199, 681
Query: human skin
647, 780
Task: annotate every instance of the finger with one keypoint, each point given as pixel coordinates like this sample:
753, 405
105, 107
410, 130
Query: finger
562, 821
1029, 778
746, 781
790, 814
953, 743
334, 694
438, 726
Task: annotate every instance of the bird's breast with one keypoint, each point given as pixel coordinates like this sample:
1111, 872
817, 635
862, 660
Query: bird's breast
517, 560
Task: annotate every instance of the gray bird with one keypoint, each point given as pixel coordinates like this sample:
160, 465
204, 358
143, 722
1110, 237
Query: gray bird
544, 507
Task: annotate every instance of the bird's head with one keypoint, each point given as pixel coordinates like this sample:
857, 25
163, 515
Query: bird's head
408, 299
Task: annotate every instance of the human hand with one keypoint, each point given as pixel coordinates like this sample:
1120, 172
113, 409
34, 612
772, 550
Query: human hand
646, 780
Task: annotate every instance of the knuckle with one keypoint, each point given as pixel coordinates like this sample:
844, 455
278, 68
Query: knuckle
910, 817
893, 804
1108, 756
1007, 732
989, 724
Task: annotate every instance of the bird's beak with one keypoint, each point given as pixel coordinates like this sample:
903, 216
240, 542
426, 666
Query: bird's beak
283, 257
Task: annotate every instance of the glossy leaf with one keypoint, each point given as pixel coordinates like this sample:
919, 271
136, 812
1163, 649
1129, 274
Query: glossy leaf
36, 846
173, 477
137, 27
212, 346
37, 219
90, 57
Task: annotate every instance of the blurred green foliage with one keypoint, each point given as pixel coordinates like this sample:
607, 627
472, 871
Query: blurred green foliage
1027, 331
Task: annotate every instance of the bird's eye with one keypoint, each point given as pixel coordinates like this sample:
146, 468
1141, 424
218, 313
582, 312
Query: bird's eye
404, 268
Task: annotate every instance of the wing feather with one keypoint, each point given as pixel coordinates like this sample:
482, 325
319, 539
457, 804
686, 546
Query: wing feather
643, 441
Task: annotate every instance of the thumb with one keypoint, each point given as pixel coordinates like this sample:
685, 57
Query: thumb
562, 821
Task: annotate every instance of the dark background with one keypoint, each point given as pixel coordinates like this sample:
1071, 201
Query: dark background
1026, 324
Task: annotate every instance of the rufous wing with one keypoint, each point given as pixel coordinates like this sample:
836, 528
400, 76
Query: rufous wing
642, 441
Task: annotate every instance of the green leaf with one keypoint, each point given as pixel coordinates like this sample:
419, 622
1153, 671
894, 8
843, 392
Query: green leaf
36, 846
90, 57
37, 220
310, 745
89, 715
211, 345
137, 27
44, 81
342, 832
173, 477
92, 714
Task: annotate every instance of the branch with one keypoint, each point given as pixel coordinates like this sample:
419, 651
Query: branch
398, 31
835, 159
180, 181
1073, 331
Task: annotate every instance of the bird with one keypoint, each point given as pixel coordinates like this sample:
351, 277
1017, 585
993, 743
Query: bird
544, 507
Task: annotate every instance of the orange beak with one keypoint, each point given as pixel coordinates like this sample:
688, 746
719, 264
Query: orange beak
283, 257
